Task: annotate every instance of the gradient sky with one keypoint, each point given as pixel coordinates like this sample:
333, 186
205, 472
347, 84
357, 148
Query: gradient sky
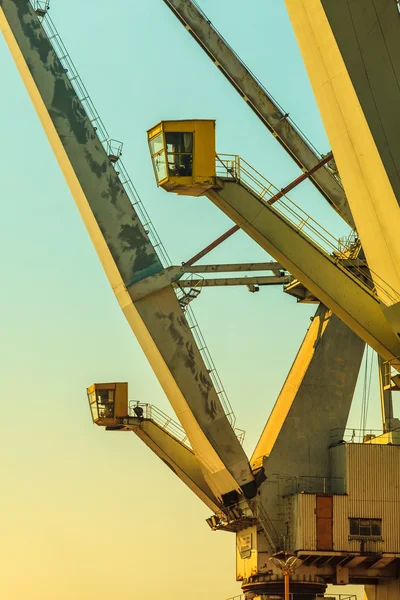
92, 515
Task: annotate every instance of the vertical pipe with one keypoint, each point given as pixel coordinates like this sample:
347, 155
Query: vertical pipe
286, 575
386, 395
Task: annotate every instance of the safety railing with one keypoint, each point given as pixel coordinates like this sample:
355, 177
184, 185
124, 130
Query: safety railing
291, 597
41, 7
234, 517
190, 290
151, 412
266, 523
233, 167
42, 10
314, 485
357, 436
113, 149
210, 366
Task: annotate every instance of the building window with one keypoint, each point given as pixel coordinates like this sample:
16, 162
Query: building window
365, 528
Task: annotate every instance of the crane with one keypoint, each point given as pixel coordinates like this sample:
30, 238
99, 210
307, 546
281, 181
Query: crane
286, 232
270, 113
126, 252
352, 57
184, 162
277, 121
204, 450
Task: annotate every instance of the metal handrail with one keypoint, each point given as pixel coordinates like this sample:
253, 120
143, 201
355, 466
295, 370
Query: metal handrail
210, 366
318, 597
233, 167
133, 195
357, 436
167, 423
313, 485
152, 413
100, 129
209, 363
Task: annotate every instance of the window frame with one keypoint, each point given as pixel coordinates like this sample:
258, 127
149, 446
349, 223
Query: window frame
364, 522
158, 154
190, 154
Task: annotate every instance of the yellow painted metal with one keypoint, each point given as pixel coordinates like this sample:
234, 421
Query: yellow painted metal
257, 98
307, 251
291, 386
326, 278
369, 192
386, 395
108, 402
390, 437
120, 390
383, 590
247, 541
179, 382
177, 456
202, 170
321, 382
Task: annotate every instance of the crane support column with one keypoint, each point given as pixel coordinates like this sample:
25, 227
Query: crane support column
310, 414
126, 252
312, 409
351, 50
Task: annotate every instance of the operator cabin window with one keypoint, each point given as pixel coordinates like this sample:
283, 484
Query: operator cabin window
365, 528
180, 153
158, 156
105, 403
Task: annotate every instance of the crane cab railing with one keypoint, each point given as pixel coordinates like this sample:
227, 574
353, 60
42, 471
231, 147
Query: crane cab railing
184, 162
231, 167
41, 7
291, 597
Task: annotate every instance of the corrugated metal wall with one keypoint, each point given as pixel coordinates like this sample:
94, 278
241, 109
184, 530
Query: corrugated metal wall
304, 522
373, 488
373, 492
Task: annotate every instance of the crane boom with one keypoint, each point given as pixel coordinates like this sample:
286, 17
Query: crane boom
261, 102
322, 274
323, 264
126, 252
172, 450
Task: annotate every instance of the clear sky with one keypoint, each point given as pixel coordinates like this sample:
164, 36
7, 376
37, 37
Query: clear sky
92, 515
